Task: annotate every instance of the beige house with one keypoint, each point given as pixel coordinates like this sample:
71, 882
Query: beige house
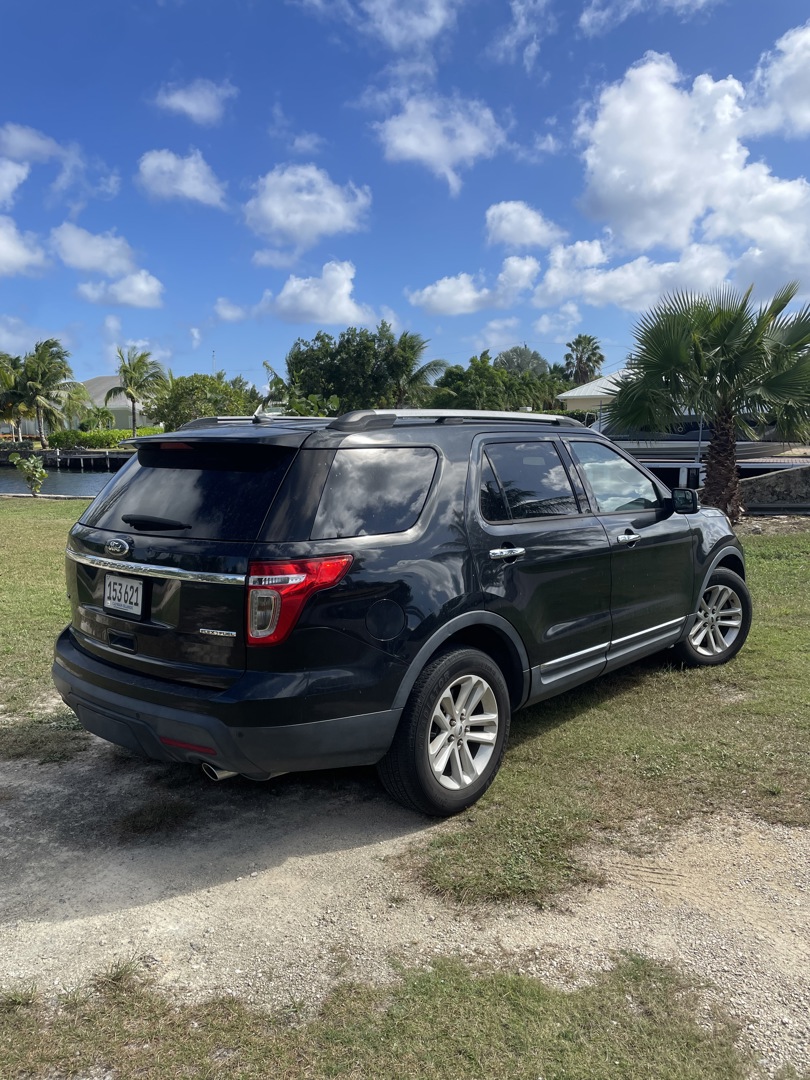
120, 407
591, 396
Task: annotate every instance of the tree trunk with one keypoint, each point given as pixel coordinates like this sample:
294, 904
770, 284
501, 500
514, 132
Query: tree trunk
722, 488
43, 442
134, 428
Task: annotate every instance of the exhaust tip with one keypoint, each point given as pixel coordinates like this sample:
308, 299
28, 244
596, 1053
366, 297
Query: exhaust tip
213, 772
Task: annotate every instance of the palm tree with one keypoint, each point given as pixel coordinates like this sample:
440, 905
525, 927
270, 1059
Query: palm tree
584, 359
10, 397
717, 357
45, 384
521, 358
139, 375
98, 417
410, 380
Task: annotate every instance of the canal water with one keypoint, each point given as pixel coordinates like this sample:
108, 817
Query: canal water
59, 482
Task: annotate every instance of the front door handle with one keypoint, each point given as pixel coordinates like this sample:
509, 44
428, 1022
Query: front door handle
506, 553
628, 538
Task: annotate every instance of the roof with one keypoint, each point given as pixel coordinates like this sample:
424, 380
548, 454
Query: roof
603, 387
99, 386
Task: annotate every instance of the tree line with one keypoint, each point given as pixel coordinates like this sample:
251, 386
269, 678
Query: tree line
714, 356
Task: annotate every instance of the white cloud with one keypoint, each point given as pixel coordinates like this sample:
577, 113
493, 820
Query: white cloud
518, 225
531, 22
560, 324
139, 289
229, 312
105, 253
12, 174
325, 299
21, 143
202, 100
302, 143
497, 335
402, 25
781, 87
599, 16
17, 338
463, 295
27, 146
196, 336
167, 176
579, 272
443, 134
20, 252
666, 167
297, 205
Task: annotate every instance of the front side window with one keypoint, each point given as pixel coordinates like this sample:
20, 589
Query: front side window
525, 480
616, 483
371, 491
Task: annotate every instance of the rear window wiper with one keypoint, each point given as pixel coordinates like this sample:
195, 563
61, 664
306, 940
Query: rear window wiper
142, 521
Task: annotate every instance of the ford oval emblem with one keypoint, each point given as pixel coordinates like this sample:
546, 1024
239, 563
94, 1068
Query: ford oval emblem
118, 546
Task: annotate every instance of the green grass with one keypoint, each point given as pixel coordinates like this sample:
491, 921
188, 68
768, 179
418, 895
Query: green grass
442, 1023
33, 610
652, 744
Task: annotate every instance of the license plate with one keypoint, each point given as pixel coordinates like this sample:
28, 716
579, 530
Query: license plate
123, 594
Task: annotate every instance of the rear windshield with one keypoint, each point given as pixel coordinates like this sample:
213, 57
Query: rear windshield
210, 491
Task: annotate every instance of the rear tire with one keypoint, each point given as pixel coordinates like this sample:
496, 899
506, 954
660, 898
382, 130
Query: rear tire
722, 623
452, 735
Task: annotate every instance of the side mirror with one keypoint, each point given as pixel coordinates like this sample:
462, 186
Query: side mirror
685, 501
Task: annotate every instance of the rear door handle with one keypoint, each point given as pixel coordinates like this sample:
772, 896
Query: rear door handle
506, 553
627, 538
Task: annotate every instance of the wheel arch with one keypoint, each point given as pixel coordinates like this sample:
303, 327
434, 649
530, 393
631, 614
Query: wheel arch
486, 632
727, 559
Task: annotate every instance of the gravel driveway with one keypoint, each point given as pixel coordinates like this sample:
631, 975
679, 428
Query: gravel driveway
277, 891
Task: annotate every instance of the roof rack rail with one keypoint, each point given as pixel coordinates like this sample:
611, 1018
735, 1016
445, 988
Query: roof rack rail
369, 419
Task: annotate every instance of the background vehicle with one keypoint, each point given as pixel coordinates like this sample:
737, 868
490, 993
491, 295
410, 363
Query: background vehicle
388, 587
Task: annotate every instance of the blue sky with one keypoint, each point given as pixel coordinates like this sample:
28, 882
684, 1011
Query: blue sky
212, 180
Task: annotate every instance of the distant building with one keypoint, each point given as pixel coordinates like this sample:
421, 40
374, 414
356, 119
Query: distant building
120, 407
592, 396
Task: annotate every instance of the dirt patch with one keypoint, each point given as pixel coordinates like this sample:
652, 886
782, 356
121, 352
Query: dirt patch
773, 525
276, 892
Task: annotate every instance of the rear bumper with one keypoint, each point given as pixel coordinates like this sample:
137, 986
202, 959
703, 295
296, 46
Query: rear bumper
152, 717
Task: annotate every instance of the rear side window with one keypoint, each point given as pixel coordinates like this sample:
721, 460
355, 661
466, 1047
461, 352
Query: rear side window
209, 491
371, 491
532, 481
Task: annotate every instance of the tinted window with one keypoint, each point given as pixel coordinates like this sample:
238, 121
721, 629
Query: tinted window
616, 483
374, 491
532, 479
221, 490
493, 504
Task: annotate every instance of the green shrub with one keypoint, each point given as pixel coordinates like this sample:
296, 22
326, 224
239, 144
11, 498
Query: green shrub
94, 440
33, 471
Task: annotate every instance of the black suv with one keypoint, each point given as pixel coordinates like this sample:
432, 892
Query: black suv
271, 594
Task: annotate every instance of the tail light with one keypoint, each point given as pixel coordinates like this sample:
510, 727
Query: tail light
277, 591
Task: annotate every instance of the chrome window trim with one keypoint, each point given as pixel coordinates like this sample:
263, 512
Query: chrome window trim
148, 570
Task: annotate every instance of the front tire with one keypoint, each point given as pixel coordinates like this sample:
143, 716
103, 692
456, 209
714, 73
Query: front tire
452, 735
722, 623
